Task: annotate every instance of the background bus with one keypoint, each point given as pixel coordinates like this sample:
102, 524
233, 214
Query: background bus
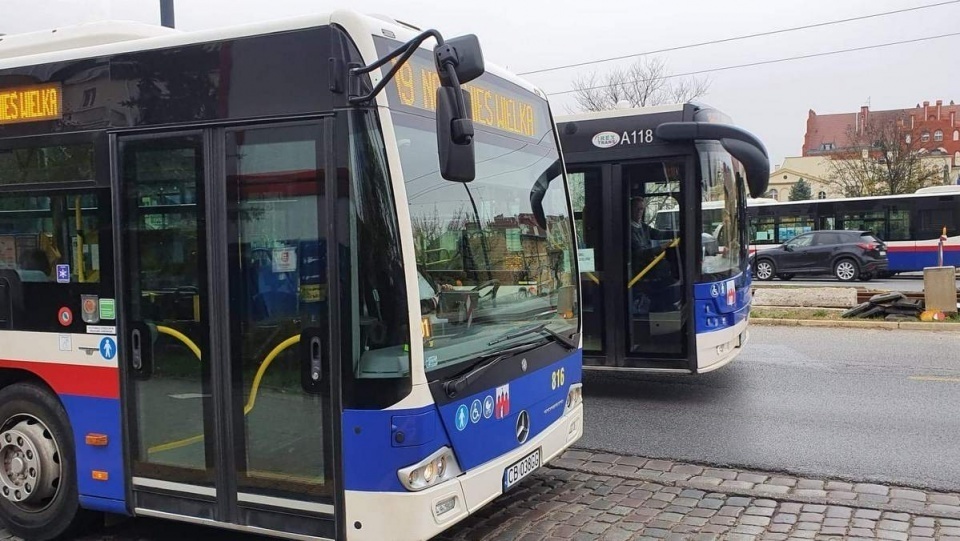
659, 200
214, 303
910, 225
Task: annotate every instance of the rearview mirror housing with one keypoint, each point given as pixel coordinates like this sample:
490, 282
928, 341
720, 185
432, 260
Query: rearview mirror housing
455, 149
467, 59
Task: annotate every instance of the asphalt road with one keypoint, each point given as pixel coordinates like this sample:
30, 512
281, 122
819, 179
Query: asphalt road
857, 404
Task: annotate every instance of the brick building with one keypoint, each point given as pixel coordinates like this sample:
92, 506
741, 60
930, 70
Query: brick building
937, 127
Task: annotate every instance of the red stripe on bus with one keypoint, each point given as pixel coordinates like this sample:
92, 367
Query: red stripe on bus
92, 381
927, 248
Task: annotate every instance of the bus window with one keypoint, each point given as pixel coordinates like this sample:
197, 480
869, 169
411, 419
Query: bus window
50, 238
60, 163
898, 225
865, 221
791, 226
721, 241
762, 230
585, 195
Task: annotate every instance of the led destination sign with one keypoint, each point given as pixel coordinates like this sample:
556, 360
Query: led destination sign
31, 103
492, 103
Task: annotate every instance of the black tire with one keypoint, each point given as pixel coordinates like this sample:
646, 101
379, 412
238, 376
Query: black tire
786, 276
865, 277
765, 269
52, 511
846, 270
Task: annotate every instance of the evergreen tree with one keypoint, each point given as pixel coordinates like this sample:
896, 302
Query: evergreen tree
801, 191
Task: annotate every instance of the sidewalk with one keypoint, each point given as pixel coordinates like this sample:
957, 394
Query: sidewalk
595, 496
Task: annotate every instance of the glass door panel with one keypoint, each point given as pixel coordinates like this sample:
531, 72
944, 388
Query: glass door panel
585, 194
655, 302
279, 311
165, 272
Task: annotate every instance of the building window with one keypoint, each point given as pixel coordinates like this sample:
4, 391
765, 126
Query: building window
956, 135
773, 194
925, 136
956, 159
938, 135
908, 138
821, 195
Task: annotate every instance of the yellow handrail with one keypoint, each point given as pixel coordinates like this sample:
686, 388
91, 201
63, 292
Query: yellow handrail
254, 388
181, 337
653, 263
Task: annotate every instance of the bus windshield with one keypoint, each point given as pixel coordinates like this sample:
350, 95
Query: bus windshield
723, 247
494, 255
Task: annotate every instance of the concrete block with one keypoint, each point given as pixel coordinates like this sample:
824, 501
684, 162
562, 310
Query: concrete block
940, 289
817, 297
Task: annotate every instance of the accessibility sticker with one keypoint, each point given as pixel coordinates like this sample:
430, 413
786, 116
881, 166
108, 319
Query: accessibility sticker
475, 412
63, 274
461, 418
488, 407
108, 348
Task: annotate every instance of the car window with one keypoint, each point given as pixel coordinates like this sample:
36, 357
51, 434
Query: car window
824, 239
800, 242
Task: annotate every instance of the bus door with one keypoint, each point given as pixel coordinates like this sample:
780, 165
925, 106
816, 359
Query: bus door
224, 322
635, 279
655, 294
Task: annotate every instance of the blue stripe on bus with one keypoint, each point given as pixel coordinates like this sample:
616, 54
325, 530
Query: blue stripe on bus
372, 456
711, 310
97, 416
907, 261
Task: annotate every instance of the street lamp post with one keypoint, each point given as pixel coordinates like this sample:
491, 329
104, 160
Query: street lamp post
166, 13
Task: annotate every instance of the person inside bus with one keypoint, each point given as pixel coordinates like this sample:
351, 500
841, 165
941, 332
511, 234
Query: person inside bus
652, 293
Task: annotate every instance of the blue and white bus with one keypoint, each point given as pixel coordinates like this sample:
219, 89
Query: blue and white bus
219, 297
910, 224
662, 294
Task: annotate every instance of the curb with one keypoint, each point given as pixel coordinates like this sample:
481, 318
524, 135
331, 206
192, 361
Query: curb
758, 494
859, 324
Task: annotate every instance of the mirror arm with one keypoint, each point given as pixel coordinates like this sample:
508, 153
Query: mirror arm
462, 126
407, 50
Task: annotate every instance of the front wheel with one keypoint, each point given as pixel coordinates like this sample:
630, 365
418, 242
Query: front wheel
846, 270
765, 270
38, 477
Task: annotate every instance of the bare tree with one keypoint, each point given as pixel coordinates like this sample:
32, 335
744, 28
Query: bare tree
884, 157
644, 83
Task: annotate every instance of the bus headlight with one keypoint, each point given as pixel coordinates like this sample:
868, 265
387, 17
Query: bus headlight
436, 468
574, 396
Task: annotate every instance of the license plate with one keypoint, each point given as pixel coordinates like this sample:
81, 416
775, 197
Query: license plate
883, 252
521, 469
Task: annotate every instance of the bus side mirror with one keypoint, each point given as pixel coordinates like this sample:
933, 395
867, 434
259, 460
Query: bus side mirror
459, 60
467, 56
455, 136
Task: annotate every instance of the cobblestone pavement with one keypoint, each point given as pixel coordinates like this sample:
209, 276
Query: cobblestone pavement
594, 496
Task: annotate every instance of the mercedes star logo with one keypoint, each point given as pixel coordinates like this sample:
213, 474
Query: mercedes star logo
523, 426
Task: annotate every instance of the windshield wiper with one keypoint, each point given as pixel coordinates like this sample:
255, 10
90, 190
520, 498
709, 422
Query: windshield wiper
456, 384
539, 328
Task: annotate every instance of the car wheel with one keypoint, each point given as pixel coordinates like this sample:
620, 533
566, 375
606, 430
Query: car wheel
786, 276
765, 270
38, 478
846, 270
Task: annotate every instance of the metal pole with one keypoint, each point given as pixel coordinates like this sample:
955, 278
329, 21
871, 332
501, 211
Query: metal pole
943, 238
166, 13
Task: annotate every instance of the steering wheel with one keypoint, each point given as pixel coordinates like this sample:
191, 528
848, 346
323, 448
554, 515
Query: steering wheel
489, 283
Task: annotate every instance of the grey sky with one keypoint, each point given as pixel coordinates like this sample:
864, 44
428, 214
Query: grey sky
772, 101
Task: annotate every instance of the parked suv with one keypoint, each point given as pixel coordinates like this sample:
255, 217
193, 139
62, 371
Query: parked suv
847, 255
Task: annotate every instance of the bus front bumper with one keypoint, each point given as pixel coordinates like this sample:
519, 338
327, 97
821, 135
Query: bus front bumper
412, 516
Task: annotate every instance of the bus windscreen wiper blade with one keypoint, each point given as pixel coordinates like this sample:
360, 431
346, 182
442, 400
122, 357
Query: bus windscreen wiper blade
456, 384
539, 328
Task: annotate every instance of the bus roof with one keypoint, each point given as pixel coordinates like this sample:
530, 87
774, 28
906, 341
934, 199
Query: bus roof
107, 38
620, 113
869, 198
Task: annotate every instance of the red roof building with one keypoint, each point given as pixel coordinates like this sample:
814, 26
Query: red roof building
937, 127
